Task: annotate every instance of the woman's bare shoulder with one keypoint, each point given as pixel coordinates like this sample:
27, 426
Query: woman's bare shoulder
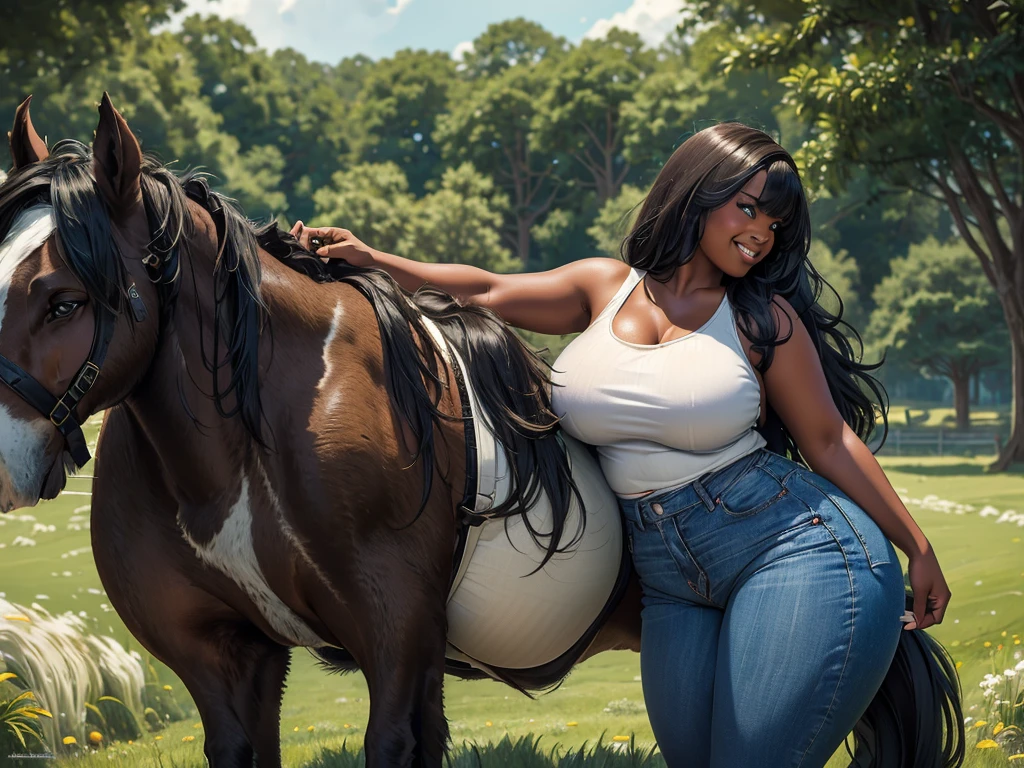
601, 280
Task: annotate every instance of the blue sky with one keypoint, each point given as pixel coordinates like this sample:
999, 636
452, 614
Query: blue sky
329, 30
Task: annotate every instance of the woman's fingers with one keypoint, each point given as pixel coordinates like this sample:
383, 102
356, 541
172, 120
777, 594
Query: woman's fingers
301, 233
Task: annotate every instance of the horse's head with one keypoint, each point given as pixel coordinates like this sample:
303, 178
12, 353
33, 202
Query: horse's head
78, 319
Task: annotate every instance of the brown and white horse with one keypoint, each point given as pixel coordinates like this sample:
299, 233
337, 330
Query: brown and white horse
267, 475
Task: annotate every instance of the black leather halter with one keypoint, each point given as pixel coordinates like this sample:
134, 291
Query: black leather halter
62, 411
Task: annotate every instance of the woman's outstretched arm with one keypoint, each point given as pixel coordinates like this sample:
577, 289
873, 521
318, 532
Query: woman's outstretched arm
796, 388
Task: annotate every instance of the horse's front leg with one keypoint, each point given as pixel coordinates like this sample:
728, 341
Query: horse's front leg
234, 673
401, 653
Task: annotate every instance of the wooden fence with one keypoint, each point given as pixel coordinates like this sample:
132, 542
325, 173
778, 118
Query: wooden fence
914, 442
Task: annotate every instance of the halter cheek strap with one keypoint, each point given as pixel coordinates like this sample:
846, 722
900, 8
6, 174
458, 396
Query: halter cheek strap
62, 411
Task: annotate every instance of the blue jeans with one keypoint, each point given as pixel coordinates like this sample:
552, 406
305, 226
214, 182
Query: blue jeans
771, 613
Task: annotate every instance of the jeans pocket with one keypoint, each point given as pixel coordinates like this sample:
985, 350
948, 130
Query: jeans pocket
753, 492
877, 549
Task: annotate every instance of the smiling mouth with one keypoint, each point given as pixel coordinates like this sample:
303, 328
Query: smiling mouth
748, 254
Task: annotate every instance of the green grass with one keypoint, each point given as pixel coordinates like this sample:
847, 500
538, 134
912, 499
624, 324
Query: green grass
983, 562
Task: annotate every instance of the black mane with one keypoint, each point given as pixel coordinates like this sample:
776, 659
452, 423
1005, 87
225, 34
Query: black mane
509, 378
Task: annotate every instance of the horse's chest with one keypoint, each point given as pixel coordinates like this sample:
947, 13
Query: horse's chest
238, 548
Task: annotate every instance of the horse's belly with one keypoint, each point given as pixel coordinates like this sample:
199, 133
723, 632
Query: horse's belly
504, 615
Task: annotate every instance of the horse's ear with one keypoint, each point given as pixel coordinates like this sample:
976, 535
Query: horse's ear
116, 161
26, 146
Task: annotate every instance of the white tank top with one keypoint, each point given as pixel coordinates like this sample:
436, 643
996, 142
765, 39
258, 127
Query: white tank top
660, 415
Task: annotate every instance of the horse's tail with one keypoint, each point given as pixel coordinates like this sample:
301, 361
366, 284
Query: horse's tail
915, 719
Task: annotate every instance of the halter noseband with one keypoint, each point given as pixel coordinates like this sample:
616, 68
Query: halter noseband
62, 411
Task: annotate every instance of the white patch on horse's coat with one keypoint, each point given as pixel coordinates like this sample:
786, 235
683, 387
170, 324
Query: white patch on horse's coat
231, 552
22, 443
334, 397
29, 231
22, 459
289, 533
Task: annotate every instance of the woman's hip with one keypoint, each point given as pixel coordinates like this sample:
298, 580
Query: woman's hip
704, 540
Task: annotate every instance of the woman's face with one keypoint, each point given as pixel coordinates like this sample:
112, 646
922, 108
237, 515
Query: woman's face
739, 235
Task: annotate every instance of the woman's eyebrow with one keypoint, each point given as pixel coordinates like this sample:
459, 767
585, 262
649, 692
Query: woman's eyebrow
755, 199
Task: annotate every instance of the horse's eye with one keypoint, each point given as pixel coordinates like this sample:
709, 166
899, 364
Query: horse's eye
62, 309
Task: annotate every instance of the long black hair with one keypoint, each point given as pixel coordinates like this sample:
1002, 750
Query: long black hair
703, 174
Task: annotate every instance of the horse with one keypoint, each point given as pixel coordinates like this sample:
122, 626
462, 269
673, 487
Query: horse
285, 457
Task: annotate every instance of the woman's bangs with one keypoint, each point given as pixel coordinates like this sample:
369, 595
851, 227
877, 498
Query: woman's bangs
783, 195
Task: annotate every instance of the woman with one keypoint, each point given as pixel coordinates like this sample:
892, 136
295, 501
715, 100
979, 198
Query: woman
772, 593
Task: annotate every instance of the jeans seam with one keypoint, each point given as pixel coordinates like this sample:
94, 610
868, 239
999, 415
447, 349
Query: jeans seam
689, 554
849, 647
856, 531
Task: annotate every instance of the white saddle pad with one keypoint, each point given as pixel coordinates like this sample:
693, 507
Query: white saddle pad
499, 613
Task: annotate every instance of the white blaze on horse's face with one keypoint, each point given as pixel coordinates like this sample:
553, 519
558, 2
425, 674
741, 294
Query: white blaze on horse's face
22, 443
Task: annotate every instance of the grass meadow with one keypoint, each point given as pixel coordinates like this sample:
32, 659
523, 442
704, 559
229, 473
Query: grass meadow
960, 507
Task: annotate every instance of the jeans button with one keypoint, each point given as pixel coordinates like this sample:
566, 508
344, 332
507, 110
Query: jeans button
658, 509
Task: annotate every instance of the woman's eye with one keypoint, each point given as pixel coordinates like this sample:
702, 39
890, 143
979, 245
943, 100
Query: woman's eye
62, 310
774, 227
747, 209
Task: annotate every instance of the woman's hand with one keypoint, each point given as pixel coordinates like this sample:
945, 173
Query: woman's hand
339, 244
931, 595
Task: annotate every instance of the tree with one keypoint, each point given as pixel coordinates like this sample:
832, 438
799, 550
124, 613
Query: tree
616, 218
841, 272
45, 39
511, 43
936, 310
460, 223
580, 113
929, 97
371, 199
489, 124
395, 115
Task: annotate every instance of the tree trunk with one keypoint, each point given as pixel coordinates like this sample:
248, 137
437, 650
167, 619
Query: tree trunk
962, 399
1013, 449
523, 222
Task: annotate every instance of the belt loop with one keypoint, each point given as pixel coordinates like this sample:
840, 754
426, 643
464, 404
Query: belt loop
704, 495
640, 515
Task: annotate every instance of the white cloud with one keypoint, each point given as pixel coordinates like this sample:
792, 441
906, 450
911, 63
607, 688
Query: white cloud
653, 20
460, 50
400, 6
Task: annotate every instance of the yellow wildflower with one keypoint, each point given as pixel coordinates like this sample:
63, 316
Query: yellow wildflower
69, 740
988, 644
168, 688
158, 738
620, 738
1016, 757
95, 737
572, 723
959, 664
310, 729
187, 739
488, 724
980, 723
986, 744
346, 725
997, 729
296, 729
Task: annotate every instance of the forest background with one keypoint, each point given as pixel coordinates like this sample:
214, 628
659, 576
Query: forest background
530, 151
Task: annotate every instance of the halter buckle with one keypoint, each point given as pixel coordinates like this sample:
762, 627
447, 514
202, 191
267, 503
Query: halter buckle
58, 421
84, 380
